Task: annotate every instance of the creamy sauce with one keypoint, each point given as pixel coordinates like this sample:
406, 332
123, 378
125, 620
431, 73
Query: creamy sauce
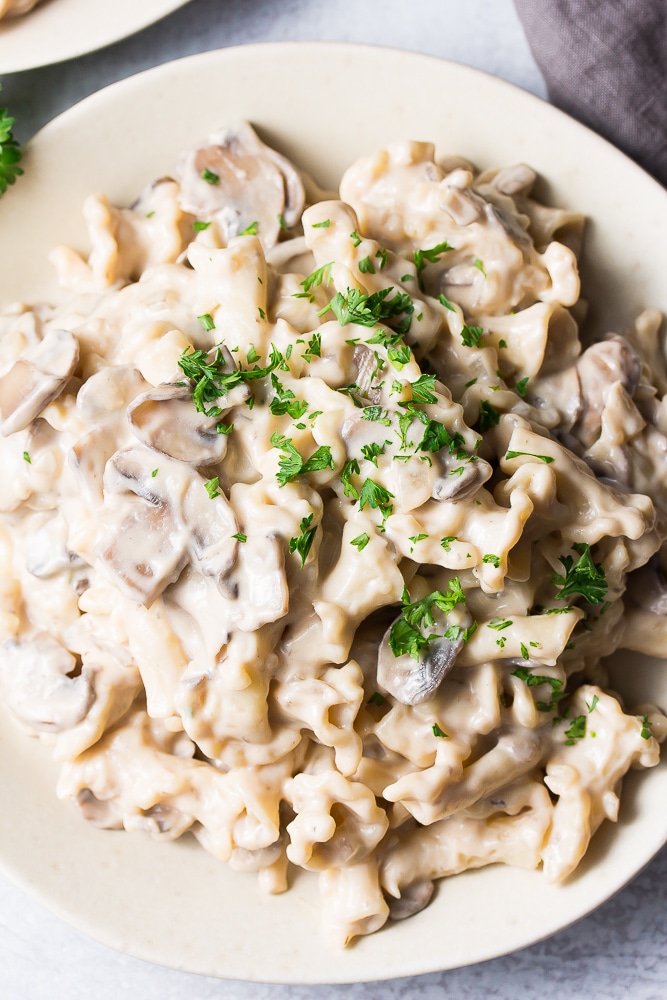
262, 428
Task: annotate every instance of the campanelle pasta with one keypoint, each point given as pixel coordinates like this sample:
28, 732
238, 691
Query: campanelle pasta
318, 518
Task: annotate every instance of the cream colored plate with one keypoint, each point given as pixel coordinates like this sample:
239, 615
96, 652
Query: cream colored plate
172, 903
63, 29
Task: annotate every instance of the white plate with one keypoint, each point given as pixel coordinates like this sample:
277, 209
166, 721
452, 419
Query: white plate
172, 903
63, 29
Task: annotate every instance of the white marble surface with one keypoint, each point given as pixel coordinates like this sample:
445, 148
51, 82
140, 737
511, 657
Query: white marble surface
617, 953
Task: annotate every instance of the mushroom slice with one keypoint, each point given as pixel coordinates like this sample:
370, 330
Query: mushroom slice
35, 676
166, 420
453, 485
413, 898
145, 548
240, 181
413, 681
32, 383
599, 367
366, 363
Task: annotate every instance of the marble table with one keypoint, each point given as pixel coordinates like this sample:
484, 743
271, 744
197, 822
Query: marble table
617, 953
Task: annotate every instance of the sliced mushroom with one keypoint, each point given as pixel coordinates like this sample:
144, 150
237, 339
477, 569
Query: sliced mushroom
366, 363
145, 548
648, 588
240, 181
413, 681
46, 551
413, 898
101, 402
34, 382
166, 420
159, 517
452, 485
600, 366
35, 676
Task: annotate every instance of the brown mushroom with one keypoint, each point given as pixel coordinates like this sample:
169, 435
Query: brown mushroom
35, 381
366, 363
455, 485
413, 898
239, 181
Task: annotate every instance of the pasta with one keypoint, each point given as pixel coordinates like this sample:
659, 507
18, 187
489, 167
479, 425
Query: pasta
319, 517
12, 8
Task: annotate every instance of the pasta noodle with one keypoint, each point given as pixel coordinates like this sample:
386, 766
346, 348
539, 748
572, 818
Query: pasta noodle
318, 518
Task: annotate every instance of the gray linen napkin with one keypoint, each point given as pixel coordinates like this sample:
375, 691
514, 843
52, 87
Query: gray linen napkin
605, 63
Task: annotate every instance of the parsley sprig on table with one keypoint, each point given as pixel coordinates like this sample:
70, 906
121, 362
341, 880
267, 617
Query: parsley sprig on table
10, 152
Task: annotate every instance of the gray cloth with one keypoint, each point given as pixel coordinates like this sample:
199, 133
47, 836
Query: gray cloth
605, 63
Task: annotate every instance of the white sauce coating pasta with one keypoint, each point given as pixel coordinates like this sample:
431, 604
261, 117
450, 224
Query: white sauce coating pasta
317, 517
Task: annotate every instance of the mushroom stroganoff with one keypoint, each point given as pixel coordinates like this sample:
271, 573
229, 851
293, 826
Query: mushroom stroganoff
318, 517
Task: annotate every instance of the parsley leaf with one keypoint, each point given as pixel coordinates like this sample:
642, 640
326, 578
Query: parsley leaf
361, 541
576, 731
422, 390
488, 416
406, 634
547, 459
303, 542
10, 152
212, 487
349, 469
285, 401
436, 437
376, 496
493, 560
367, 310
582, 577
210, 178
250, 230
437, 731
471, 335
291, 464
432, 256
371, 452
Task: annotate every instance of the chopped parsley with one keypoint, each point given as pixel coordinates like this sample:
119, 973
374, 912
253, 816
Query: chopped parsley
471, 336
206, 321
302, 543
321, 225
383, 256
576, 731
432, 256
368, 309
356, 239
199, 227
291, 464
240, 537
493, 560
321, 276
212, 379
406, 634
437, 731
521, 386
208, 176
446, 542
400, 356
500, 623
212, 487
536, 680
646, 732
250, 230
422, 389
371, 452
285, 401
366, 266
436, 437
488, 416
444, 301
349, 469
375, 496
27, 458
529, 454
361, 541
582, 577
480, 267
10, 152
314, 348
